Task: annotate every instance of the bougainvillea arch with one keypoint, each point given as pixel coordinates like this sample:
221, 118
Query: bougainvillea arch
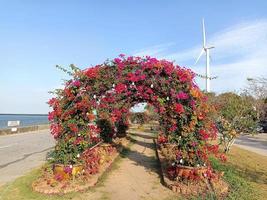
113, 87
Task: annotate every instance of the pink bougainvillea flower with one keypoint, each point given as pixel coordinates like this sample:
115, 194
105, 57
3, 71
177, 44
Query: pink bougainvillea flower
51, 115
179, 108
56, 130
204, 135
76, 83
132, 77
52, 101
73, 127
117, 60
120, 88
68, 169
182, 95
91, 72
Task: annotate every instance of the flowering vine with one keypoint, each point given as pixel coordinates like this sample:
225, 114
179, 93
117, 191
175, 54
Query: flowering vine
113, 87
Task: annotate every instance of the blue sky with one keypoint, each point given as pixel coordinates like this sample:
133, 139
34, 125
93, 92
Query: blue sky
37, 35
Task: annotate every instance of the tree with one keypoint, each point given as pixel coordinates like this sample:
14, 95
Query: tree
257, 88
235, 115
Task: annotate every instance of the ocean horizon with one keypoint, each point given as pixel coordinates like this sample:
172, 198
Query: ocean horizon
25, 119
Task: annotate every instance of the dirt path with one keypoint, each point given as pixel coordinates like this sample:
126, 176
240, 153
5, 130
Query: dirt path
136, 176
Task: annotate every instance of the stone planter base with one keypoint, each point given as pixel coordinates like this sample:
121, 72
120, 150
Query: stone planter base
190, 188
60, 169
75, 184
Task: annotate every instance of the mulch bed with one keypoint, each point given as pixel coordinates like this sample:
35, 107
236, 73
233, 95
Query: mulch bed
203, 187
47, 185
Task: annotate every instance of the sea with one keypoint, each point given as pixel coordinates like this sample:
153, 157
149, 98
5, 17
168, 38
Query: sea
25, 119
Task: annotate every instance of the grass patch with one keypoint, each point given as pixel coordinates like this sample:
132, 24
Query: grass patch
246, 174
21, 189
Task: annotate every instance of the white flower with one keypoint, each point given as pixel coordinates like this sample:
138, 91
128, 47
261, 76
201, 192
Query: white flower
133, 83
79, 134
151, 85
168, 98
113, 85
181, 161
78, 155
198, 165
94, 96
173, 164
71, 166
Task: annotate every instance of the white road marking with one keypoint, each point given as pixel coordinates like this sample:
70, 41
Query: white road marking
10, 145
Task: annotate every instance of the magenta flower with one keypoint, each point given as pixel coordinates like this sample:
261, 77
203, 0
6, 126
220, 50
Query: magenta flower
76, 83
182, 95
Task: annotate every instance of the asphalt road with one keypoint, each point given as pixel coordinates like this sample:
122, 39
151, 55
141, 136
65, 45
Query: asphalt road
256, 143
20, 153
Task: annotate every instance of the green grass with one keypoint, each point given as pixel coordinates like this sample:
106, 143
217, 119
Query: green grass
240, 188
21, 189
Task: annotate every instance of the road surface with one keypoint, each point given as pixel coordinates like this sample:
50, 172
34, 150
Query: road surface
22, 152
256, 143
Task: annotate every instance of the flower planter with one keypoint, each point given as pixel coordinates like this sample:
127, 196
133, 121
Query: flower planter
67, 171
185, 172
169, 145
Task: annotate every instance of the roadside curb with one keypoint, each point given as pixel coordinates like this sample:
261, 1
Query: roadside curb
25, 129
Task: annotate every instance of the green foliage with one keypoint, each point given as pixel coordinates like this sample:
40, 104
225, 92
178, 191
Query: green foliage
235, 115
239, 111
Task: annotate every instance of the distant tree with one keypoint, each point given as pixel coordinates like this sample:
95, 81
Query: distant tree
235, 115
151, 113
257, 88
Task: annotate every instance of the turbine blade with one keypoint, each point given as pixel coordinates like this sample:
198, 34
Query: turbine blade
201, 53
204, 33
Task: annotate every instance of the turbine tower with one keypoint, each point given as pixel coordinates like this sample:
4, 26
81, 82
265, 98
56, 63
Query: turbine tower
206, 49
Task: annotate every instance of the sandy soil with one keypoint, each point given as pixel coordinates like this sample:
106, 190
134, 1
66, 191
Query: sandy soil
136, 176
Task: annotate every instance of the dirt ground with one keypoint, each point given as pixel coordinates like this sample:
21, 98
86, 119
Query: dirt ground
136, 176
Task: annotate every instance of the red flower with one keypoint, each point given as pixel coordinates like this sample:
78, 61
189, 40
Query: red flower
182, 95
74, 128
78, 140
51, 115
120, 88
204, 134
132, 77
53, 102
179, 108
76, 83
55, 130
91, 72
117, 60
223, 158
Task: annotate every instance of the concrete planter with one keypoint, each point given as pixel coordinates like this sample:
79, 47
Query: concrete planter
185, 171
67, 171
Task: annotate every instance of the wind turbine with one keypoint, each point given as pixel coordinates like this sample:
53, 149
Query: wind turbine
206, 49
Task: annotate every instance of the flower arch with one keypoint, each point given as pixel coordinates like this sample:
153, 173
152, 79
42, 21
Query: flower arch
113, 87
